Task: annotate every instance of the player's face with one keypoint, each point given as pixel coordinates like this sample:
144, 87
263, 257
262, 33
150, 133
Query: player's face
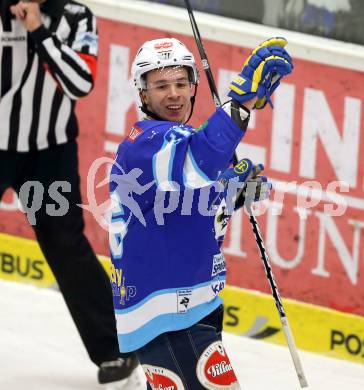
168, 93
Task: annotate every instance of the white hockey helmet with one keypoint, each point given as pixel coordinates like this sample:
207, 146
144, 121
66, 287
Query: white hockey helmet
160, 53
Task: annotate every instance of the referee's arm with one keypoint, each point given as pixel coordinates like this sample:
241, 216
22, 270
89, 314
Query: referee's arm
72, 64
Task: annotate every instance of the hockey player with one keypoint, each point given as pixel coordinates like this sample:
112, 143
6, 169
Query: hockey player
170, 188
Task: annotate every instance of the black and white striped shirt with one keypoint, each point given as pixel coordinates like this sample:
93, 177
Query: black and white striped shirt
43, 73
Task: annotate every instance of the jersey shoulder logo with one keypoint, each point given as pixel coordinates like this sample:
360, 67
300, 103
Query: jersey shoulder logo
134, 133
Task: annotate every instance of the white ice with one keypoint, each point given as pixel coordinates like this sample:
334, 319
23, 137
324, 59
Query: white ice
40, 350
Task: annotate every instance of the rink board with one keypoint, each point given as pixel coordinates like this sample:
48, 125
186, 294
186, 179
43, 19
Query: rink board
21, 260
316, 123
315, 328
247, 313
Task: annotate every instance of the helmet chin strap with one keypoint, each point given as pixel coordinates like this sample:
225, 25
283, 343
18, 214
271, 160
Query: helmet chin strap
156, 117
193, 101
150, 113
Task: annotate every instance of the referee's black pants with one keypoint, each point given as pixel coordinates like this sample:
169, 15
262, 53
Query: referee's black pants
81, 279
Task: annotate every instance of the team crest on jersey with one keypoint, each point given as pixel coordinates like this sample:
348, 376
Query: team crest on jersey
160, 378
176, 134
214, 370
134, 133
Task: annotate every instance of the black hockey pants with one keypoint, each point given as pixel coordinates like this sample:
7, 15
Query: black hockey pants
81, 279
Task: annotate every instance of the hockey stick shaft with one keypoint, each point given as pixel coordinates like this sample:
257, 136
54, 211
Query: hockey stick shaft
278, 301
205, 63
204, 59
258, 237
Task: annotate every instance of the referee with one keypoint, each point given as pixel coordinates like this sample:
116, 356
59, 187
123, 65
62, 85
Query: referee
48, 56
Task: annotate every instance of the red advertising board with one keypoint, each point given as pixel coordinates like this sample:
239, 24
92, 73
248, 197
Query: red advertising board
310, 145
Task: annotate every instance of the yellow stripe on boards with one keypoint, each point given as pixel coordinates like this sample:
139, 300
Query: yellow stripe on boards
247, 313
315, 328
21, 260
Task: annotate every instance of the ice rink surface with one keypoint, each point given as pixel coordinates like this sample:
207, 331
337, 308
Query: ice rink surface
40, 350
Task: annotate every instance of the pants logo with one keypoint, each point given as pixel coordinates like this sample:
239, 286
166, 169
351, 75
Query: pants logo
160, 378
214, 370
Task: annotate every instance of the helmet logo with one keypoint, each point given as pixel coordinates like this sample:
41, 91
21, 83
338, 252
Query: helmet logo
163, 45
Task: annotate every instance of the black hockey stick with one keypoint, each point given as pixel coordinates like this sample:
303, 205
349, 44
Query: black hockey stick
277, 298
258, 237
205, 63
204, 59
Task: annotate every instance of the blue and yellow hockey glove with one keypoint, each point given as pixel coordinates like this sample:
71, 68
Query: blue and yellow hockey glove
253, 188
257, 188
262, 72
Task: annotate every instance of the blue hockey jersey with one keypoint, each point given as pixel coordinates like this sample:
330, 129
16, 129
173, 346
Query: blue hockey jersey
167, 267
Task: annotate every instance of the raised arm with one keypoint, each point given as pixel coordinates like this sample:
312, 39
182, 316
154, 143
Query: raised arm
71, 63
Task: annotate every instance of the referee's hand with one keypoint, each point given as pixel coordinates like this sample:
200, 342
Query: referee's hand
28, 13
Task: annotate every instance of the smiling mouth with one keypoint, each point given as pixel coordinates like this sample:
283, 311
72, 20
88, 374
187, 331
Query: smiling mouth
175, 107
